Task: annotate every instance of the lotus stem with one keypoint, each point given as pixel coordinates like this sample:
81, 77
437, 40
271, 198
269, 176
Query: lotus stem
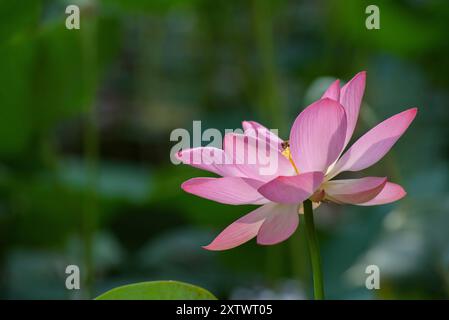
314, 251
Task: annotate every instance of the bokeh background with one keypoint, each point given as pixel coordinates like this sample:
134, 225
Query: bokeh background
86, 116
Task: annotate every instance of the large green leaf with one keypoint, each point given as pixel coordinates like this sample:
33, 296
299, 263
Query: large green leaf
157, 290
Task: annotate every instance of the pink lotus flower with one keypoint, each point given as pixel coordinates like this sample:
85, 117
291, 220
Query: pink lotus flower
306, 166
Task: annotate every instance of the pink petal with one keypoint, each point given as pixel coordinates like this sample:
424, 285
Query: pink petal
279, 225
209, 159
242, 230
333, 92
390, 193
351, 98
293, 189
318, 135
256, 159
354, 190
228, 190
256, 129
372, 146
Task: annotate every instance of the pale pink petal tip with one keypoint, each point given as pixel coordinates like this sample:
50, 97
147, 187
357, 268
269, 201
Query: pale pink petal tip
374, 144
241, 230
390, 193
210, 247
279, 225
354, 191
333, 92
360, 76
351, 96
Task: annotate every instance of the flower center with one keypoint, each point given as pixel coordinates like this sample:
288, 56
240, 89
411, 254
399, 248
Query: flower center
319, 194
286, 153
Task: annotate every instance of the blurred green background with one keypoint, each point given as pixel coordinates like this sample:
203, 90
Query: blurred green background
86, 116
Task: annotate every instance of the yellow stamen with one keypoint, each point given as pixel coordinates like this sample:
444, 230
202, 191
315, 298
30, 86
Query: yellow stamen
319, 195
286, 153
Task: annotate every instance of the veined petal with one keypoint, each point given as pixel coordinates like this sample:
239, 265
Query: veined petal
390, 193
279, 224
333, 92
255, 158
228, 190
351, 98
242, 230
293, 189
256, 129
209, 159
317, 135
372, 146
354, 191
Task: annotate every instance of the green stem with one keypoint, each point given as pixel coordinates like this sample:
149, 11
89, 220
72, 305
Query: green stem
314, 251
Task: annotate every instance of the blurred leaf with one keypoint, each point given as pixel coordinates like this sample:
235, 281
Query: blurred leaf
107, 251
115, 180
158, 290
177, 248
43, 269
45, 212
